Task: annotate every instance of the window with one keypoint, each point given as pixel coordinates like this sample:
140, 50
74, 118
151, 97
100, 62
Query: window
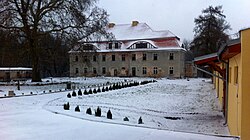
77, 71
110, 45
123, 57
141, 45
116, 45
76, 58
103, 70
103, 58
85, 58
155, 70
113, 57
171, 56
94, 70
123, 68
144, 70
94, 58
85, 70
171, 70
133, 57
144, 57
236, 75
155, 57
230, 74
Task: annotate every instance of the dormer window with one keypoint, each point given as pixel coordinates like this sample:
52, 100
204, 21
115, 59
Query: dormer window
114, 45
142, 45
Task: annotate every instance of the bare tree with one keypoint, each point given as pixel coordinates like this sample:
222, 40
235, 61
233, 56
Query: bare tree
32, 19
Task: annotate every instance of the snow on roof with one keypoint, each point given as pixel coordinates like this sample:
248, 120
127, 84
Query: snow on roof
129, 34
139, 31
15, 69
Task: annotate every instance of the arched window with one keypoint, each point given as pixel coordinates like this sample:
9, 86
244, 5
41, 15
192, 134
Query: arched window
142, 45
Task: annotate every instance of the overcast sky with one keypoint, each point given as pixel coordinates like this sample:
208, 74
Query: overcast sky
175, 15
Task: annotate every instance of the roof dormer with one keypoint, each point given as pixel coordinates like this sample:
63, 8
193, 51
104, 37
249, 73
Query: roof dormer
142, 45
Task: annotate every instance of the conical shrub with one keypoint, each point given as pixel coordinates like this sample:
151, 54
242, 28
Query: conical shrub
94, 91
73, 94
69, 95
77, 109
66, 106
109, 115
79, 92
85, 92
140, 121
98, 112
125, 119
98, 90
90, 91
88, 111
103, 89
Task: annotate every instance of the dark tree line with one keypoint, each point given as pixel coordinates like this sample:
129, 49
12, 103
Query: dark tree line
31, 21
53, 54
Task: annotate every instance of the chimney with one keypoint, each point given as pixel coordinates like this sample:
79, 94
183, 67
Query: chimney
135, 23
111, 25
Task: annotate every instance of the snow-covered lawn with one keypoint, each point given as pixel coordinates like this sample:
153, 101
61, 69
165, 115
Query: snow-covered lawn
166, 106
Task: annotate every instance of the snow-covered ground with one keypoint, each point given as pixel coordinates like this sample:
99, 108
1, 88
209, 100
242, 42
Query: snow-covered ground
170, 109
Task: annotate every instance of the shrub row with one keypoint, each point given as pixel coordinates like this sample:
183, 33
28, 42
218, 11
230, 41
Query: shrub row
108, 88
98, 112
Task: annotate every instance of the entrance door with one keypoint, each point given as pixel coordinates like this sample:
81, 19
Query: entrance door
7, 76
115, 72
133, 71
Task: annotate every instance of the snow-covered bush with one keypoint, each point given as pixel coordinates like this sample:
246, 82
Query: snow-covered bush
88, 111
98, 90
103, 89
98, 112
73, 94
140, 121
125, 119
90, 91
77, 109
109, 115
106, 89
94, 91
85, 92
69, 95
79, 92
66, 106
110, 88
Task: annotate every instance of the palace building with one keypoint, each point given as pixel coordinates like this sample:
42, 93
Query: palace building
136, 50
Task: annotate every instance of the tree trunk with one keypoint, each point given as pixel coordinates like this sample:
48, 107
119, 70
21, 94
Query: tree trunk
36, 77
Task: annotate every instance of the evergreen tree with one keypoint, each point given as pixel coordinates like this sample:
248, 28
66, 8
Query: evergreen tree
125, 119
109, 115
69, 95
73, 94
77, 109
79, 92
140, 121
98, 90
98, 112
66, 106
85, 92
94, 91
210, 31
88, 111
